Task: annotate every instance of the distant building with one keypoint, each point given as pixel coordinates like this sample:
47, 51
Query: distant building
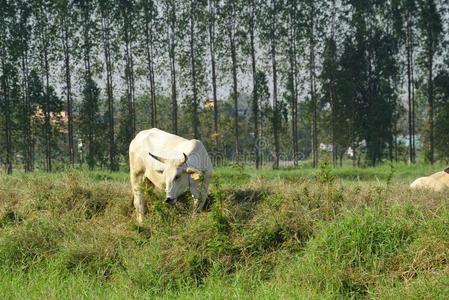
350, 152
405, 139
209, 104
55, 118
327, 147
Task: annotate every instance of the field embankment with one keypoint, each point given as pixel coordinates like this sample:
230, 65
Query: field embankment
285, 234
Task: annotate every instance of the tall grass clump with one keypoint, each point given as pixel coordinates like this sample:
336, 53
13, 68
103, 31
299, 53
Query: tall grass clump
429, 252
34, 241
92, 250
348, 254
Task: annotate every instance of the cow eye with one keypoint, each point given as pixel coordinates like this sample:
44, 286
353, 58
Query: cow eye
160, 171
176, 177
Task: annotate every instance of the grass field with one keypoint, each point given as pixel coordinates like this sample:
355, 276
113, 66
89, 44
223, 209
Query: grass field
286, 234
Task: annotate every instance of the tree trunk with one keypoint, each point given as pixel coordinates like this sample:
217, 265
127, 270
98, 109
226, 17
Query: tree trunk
413, 102
212, 60
332, 92
354, 155
312, 89
48, 135
431, 110
195, 117
28, 156
132, 89
396, 150
7, 113
88, 79
295, 106
410, 88
409, 92
332, 119
68, 82
235, 91
109, 90
430, 55
370, 81
149, 41
293, 76
390, 150
172, 37
254, 75
275, 91
173, 90
129, 72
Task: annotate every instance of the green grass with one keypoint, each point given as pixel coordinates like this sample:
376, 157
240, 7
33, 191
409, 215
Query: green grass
284, 234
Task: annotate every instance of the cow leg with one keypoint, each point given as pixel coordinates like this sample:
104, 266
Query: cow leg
202, 201
202, 195
139, 203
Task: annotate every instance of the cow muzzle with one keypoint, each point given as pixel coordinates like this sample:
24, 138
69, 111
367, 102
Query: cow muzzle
170, 201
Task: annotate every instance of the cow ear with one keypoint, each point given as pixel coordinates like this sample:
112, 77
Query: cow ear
160, 159
180, 162
195, 173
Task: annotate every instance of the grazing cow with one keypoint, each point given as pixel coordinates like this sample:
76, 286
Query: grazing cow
436, 182
169, 162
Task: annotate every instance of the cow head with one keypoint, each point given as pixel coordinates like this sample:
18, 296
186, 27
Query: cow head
176, 176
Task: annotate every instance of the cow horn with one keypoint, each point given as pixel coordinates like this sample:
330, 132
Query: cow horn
160, 159
177, 162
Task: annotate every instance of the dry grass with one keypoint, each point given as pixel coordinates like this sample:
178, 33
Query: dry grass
287, 236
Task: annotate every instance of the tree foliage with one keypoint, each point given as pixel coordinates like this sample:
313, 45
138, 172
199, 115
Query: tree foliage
270, 82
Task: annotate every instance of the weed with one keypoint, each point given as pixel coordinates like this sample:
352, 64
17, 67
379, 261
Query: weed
390, 174
325, 175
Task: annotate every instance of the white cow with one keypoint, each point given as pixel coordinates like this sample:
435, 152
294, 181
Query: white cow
436, 182
169, 162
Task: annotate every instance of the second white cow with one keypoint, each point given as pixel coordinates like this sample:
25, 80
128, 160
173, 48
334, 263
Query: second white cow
171, 163
437, 182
